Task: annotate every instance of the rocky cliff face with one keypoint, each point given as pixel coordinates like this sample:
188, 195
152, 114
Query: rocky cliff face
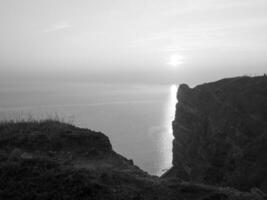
52, 160
220, 132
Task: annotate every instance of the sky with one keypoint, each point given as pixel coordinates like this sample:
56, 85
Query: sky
155, 41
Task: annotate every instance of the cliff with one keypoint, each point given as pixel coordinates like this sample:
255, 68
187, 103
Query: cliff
53, 160
220, 132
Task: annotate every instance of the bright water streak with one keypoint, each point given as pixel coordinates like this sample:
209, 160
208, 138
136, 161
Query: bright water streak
167, 135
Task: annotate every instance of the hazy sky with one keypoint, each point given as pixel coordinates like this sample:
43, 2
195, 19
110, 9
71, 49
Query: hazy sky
183, 40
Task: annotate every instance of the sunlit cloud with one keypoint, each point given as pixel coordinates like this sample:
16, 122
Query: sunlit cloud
58, 27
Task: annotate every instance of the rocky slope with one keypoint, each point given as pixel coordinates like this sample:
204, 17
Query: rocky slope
220, 132
50, 160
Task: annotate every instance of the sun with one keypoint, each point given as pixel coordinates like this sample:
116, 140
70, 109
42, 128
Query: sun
175, 60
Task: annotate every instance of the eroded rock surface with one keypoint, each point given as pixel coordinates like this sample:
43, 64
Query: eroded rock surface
220, 132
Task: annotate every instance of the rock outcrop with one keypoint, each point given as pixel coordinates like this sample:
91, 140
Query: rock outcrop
52, 136
52, 160
220, 132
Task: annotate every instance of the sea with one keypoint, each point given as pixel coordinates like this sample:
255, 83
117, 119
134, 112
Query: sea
136, 117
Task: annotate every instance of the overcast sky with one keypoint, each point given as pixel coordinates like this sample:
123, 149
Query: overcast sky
183, 40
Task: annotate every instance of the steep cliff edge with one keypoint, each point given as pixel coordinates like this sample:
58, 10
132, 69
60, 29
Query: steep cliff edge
220, 132
53, 160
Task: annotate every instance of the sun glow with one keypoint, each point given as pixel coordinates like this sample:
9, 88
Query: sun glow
175, 60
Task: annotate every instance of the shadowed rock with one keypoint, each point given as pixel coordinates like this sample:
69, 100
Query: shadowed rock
220, 132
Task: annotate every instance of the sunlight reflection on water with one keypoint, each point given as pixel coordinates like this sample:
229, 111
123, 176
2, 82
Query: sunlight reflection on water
167, 136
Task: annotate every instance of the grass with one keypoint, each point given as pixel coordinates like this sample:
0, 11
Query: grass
21, 122
22, 118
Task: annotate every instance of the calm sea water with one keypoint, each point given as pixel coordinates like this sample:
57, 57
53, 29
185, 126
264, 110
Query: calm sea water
136, 118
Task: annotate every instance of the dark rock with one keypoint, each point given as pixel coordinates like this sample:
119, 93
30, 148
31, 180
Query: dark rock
220, 132
131, 162
258, 192
26, 156
55, 137
15, 154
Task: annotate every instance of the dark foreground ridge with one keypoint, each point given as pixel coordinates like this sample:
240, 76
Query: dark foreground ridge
52, 160
220, 132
